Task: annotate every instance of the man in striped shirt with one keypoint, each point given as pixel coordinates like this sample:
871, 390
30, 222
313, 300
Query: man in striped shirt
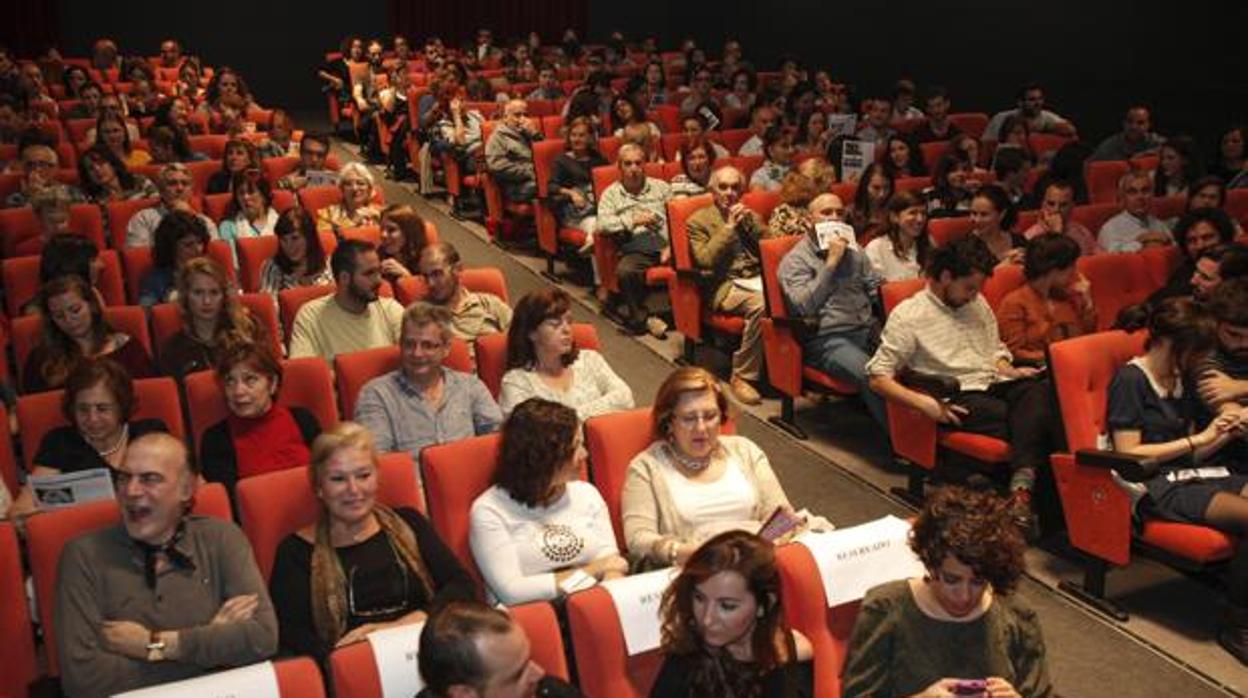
948, 331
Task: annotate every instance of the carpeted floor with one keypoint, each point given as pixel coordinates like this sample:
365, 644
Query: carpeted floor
843, 473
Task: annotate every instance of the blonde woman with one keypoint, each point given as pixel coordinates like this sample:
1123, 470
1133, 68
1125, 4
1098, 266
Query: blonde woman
362, 566
357, 208
212, 318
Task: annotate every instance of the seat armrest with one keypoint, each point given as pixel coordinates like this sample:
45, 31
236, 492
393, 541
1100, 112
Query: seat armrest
1130, 468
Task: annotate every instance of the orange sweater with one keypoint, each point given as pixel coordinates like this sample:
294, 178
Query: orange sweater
1029, 322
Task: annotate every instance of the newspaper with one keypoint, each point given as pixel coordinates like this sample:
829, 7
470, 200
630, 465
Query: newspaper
842, 125
69, 489
855, 157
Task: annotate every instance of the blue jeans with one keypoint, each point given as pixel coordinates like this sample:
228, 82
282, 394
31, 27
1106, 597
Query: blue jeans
844, 356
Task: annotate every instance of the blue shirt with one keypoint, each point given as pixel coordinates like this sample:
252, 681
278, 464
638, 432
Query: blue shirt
400, 420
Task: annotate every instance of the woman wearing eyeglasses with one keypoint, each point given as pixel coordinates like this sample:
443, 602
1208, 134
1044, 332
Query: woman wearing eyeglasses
694, 482
362, 566
250, 213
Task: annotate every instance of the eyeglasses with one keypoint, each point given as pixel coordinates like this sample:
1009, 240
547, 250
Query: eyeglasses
692, 419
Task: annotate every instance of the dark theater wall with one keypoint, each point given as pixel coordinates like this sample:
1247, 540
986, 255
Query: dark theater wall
1187, 58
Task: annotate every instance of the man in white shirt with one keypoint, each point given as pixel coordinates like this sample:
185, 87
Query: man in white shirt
175, 194
1135, 227
354, 317
762, 118
947, 331
1030, 107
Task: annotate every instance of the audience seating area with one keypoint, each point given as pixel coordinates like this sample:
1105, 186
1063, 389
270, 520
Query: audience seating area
447, 478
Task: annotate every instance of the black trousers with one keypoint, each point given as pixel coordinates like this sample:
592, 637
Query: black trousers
1020, 412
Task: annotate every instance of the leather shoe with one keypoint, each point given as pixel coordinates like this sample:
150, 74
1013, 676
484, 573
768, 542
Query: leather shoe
744, 392
1233, 635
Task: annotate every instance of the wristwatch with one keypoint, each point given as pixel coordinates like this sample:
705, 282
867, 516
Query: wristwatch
155, 647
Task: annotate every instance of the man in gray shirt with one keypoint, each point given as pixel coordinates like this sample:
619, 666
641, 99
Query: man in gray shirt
176, 190
834, 284
163, 596
1135, 138
423, 403
634, 210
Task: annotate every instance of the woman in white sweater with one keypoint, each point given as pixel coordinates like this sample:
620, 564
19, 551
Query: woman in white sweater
694, 482
543, 361
540, 532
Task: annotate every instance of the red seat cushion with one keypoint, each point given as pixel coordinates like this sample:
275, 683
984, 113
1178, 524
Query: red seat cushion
660, 276
728, 324
572, 236
472, 181
823, 380
977, 446
1198, 543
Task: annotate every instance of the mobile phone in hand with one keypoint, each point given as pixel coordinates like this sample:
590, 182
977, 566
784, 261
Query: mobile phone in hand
970, 687
781, 523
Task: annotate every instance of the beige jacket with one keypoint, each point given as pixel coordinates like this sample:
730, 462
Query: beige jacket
649, 513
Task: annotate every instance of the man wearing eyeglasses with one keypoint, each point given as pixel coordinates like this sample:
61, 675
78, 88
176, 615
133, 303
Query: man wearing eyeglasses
39, 163
164, 595
423, 402
312, 169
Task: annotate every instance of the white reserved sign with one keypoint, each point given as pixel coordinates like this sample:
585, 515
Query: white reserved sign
852, 560
397, 652
255, 681
637, 600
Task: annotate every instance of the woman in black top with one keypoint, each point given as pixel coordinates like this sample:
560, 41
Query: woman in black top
740, 645
362, 566
572, 182
98, 403
240, 156
992, 220
1152, 414
212, 318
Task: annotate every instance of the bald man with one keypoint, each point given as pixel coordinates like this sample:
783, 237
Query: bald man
827, 277
723, 238
165, 594
509, 153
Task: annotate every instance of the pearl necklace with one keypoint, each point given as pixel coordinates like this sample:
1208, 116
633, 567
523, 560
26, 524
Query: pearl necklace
695, 465
121, 442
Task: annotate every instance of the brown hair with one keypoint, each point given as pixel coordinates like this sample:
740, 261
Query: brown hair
687, 379
329, 580
537, 439
92, 372
533, 309
1190, 327
413, 228
235, 325
977, 528
796, 189
61, 352
257, 355
714, 672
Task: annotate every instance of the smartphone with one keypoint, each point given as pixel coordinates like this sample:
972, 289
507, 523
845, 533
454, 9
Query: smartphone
781, 523
970, 687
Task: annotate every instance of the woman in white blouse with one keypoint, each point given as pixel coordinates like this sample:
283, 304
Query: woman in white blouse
251, 213
543, 361
694, 482
540, 531
900, 253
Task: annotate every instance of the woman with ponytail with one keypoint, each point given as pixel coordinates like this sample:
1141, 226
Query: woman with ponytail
362, 566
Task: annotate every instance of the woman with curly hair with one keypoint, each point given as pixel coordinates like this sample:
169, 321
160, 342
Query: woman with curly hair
798, 188
724, 632
540, 531
959, 626
212, 319
362, 566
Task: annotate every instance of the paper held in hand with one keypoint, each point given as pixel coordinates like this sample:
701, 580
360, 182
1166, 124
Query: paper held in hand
637, 599
852, 560
69, 489
397, 653
255, 681
826, 231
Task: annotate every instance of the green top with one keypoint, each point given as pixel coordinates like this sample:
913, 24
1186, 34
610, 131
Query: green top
897, 650
728, 253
